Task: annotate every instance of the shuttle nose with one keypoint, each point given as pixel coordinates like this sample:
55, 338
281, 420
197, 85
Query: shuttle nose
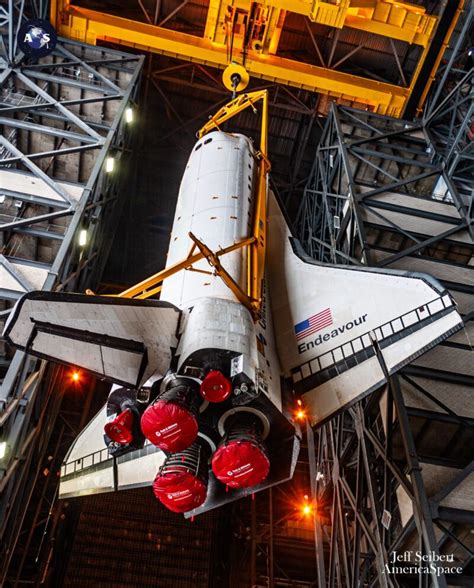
241, 460
181, 482
120, 428
170, 422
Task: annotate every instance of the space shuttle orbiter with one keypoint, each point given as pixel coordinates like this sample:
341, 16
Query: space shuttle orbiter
246, 324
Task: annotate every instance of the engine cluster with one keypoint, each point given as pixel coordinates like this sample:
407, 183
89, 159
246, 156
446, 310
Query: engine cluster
202, 432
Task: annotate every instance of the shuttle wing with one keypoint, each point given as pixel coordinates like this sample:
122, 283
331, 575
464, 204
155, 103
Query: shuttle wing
327, 318
122, 340
89, 468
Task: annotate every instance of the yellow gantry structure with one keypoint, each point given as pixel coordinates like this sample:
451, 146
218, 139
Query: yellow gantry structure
398, 20
228, 37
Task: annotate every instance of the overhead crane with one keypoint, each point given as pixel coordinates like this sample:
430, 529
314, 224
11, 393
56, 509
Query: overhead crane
398, 20
246, 33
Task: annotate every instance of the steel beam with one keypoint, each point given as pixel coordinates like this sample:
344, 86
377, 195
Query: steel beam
422, 510
90, 26
318, 534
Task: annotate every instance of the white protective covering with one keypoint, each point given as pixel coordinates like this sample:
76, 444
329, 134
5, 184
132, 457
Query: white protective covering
215, 204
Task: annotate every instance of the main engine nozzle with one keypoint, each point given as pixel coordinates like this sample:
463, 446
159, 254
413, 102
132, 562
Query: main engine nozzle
119, 429
171, 421
215, 387
241, 460
181, 482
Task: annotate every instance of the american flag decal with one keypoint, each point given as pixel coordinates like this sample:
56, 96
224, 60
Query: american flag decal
314, 323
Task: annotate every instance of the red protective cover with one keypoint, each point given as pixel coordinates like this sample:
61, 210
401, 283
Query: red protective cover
179, 491
240, 464
169, 426
120, 429
215, 387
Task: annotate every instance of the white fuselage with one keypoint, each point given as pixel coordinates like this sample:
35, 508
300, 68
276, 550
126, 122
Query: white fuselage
215, 203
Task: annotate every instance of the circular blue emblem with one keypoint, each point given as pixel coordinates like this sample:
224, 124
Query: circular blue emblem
37, 38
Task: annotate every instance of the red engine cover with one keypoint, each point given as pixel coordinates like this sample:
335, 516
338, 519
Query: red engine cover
169, 425
120, 429
179, 491
240, 464
215, 387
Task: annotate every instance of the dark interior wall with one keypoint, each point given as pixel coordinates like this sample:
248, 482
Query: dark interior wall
129, 540
142, 237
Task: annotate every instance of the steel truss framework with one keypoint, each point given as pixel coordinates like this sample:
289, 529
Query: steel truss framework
60, 119
393, 473
273, 540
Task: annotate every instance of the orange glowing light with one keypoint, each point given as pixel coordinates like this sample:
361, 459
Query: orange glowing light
300, 415
306, 506
299, 403
75, 376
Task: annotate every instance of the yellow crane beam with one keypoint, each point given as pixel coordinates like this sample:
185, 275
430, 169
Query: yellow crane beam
390, 18
89, 26
227, 22
398, 20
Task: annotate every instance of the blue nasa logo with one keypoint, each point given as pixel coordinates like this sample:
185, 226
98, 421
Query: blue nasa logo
37, 38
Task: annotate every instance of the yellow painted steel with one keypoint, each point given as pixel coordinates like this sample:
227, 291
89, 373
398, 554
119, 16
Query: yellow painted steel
152, 285
228, 38
214, 262
89, 26
273, 30
434, 69
258, 247
233, 108
235, 78
397, 20
226, 24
